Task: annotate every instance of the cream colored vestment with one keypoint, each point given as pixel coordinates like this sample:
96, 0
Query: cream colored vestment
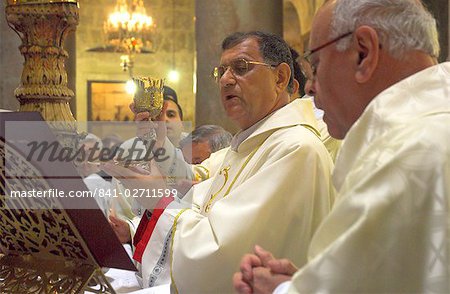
389, 230
273, 190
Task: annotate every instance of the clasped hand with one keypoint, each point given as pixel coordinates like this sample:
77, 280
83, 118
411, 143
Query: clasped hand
260, 272
145, 125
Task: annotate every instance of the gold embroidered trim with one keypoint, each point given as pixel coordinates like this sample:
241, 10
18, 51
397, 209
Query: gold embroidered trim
211, 199
242, 168
198, 176
213, 196
174, 228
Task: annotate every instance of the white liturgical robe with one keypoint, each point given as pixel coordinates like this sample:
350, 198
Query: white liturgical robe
274, 190
389, 230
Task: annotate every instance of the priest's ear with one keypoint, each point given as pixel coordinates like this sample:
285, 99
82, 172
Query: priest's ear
283, 76
367, 44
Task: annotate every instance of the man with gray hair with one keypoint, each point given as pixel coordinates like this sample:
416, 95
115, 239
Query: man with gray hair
203, 141
374, 73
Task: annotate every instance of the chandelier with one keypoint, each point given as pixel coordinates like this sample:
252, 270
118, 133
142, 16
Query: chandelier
130, 30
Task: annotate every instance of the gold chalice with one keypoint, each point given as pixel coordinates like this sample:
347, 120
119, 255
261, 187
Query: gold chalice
149, 97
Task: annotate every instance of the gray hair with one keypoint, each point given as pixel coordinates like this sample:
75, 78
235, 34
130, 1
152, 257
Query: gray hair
402, 25
273, 49
217, 137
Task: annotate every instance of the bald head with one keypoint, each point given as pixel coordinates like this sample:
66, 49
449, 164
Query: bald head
361, 59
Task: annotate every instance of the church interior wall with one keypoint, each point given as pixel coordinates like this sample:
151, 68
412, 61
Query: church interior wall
104, 66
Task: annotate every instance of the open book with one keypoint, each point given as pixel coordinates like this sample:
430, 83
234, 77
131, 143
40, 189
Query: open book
43, 223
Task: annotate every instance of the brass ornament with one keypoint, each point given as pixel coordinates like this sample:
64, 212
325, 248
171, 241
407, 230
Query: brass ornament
26, 274
43, 251
43, 27
149, 95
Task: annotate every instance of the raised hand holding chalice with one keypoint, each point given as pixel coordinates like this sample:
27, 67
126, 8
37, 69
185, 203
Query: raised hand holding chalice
149, 98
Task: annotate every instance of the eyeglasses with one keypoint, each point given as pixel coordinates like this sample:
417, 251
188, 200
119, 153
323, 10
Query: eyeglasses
239, 67
307, 68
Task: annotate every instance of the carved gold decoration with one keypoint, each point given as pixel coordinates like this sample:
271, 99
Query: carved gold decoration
43, 27
26, 274
223, 171
60, 261
149, 95
47, 230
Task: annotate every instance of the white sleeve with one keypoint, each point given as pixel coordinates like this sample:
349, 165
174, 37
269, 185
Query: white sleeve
282, 288
174, 166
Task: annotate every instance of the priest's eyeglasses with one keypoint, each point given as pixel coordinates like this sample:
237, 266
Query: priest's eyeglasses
309, 69
238, 67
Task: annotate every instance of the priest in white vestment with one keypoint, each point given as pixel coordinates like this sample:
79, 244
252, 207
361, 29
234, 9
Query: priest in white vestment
389, 230
271, 187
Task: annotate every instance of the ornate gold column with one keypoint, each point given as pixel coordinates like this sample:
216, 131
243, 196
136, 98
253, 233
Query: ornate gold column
43, 27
